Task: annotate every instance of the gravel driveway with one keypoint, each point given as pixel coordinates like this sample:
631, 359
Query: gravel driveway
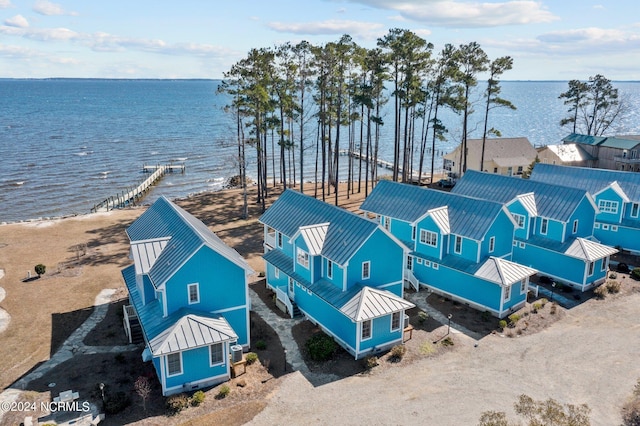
590, 356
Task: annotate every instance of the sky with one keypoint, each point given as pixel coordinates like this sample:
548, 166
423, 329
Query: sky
548, 40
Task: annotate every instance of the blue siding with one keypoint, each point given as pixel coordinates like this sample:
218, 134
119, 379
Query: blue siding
381, 334
625, 237
517, 208
403, 231
555, 229
149, 291
387, 262
585, 215
610, 195
298, 268
502, 230
469, 248
428, 224
195, 367
271, 277
338, 273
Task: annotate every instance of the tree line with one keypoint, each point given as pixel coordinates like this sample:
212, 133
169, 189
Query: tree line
336, 92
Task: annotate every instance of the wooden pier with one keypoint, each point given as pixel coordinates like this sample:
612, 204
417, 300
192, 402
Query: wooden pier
131, 196
389, 165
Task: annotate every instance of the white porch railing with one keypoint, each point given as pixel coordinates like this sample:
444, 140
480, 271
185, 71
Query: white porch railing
408, 275
533, 289
129, 312
284, 298
270, 240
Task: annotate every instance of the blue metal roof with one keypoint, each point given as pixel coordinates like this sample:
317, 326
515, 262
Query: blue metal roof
164, 219
346, 233
590, 180
469, 217
552, 201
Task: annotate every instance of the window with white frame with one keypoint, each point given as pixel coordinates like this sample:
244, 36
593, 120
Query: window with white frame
194, 293
427, 263
395, 321
366, 330
429, 238
413, 233
280, 239
492, 244
366, 270
458, 244
523, 286
590, 269
276, 272
174, 364
544, 225
596, 226
506, 293
303, 257
614, 228
216, 355
575, 226
605, 227
607, 206
519, 220
435, 265
291, 285
387, 223
329, 269
604, 264
419, 260
410, 263
522, 245
635, 207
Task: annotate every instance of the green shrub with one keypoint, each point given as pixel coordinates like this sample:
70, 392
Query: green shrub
397, 352
370, 362
613, 275
447, 341
197, 398
251, 357
613, 287
513, 319
224, 391
117, 402
502, 324
536, 307
422, 317
176, 403
40, 269
601, 292
321, 347
635, 274
261, 345
543, 301
427, 348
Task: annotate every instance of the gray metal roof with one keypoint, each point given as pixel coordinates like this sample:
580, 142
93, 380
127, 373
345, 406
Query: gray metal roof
570, 152
503, 272
372, 303
467, 216
314, 236
192, 331
346, 231
552, 201
589, 250
164, 220
588, 179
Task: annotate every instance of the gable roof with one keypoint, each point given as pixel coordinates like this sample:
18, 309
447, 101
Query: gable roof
589, 250
551, 201
503, 272
191, 331
569, 152
584, 139
371, 303
588, 179
504, 152
185, 234
627, 142
467, 216
314, 237
345, 233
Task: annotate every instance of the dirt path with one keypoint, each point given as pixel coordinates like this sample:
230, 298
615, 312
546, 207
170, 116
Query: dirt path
584, 358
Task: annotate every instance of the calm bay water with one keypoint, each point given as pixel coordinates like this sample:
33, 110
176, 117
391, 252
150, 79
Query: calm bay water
66, 145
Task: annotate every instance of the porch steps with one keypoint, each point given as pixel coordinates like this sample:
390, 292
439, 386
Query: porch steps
296, 311
136, 331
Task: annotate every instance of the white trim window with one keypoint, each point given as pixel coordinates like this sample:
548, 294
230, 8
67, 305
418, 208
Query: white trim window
506, 293
329, 269
366, 270
458, 244
429, 238
193, 293
544, 226
419, 260
523, 286
519, 220
605, 227
608, 206
365, 331
216, 354
591, 267
605, 264
413, 233
302, 258
276, 272
410, 263
395, 321
435, 266
575, 226
492, 244
387, 222
596, 226
279, 241
635, 208
174, 364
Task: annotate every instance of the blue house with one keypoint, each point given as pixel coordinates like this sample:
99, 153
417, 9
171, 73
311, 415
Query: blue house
458, 246
188, 292
554, 232
616, 193
342, 271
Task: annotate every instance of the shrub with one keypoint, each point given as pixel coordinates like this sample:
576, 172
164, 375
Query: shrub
223, 391
397, 352
427, 348
251, 357
622, 267
197, 398
543, 301
370, 362
115, 403
513, 319
261, 345
613, 275
422, 317
40, 269
635, 274
536, 307
177, 403
447, 341
321, 347
552, 311
613, 287
502, 324
601, 292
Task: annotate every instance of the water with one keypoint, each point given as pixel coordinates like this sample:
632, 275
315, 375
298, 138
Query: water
65, 145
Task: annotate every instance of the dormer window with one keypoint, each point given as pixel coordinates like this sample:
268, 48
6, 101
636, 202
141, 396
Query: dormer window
303, 258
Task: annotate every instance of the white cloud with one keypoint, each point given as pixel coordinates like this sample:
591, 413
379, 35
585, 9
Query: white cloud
467, 14
328, 27
45, 7
17, 21
591, 39
5, 4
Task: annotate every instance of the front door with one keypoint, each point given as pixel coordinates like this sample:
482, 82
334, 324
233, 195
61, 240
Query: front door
291, 292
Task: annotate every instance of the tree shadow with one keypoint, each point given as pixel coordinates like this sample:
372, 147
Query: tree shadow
64, 324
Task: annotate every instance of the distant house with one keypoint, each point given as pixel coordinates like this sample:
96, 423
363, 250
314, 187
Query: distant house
569, 154
188, 292
613, 153
459, 246
616, 193
503, 156
554, 231
342, 271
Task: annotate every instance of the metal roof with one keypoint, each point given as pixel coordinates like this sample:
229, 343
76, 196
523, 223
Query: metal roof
163, 220
552, 201
372, 303
588, 179
570, 152
192, 331
346, 231
145, 253
467, 216
589, 250
584, 139
503, 272
620, 143
528, 200
610, 141
314, 236
440, 216
511, 151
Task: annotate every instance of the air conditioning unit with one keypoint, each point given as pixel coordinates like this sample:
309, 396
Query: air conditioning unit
236, 353
406, 320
